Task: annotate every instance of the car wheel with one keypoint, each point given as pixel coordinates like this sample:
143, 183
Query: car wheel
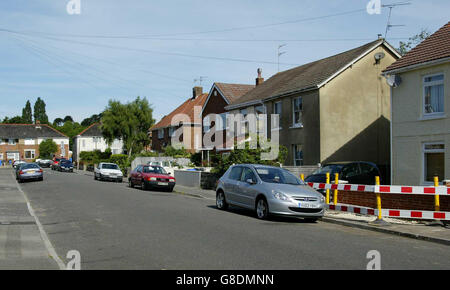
130, 183
221, 203
262, 209
143, 185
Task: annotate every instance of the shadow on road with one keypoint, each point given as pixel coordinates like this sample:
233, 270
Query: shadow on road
272, 218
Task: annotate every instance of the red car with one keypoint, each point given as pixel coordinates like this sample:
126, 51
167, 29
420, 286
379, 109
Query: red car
149, 176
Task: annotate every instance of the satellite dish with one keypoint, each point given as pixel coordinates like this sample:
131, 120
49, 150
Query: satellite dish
379, 56
394, 81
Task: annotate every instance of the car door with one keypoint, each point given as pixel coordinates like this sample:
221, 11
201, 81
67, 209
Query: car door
230, 184
247, 190
135, 174
351, 173
368, 173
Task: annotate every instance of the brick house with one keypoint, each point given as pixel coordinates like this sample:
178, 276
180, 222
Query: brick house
333, 109
220, 96
420, 97
21, 141
187, 117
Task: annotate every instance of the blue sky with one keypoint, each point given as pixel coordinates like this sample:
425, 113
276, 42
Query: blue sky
66, 60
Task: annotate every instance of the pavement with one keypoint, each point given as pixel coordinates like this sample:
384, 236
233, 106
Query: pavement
113, 226
21, 244
412, 229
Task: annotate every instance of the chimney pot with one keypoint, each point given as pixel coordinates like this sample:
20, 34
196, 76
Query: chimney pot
259, 79
197, 91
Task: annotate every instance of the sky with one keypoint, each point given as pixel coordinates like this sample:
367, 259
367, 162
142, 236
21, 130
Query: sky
159, 50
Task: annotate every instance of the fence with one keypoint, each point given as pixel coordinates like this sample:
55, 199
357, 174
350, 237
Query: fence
415, 202
198, 179
146, 160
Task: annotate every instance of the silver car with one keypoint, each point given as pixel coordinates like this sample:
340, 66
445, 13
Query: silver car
268, 190
30, 171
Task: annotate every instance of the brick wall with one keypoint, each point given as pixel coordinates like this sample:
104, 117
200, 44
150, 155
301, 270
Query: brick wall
20, 147
393, 201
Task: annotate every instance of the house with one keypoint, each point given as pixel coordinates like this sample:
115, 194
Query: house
421, 112
333, 109
184, 119
220, 96
91, 139
21, 141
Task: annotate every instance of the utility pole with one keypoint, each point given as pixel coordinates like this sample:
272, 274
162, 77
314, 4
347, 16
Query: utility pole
280, 53
391, 6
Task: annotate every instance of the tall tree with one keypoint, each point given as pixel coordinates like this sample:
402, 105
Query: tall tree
68, 119
47, 148
58, 122
129, 122
405, 47
27, 113
39, 112
91, 120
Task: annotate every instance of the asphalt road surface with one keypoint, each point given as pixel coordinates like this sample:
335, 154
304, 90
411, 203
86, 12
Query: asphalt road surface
116, 227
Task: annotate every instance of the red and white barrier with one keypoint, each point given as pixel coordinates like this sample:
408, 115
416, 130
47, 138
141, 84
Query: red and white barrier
394, 213
440, 190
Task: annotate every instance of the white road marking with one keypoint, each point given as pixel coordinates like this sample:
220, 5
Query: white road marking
48, 244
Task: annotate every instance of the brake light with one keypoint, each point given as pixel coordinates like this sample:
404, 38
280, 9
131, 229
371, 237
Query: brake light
40, 171
20, 172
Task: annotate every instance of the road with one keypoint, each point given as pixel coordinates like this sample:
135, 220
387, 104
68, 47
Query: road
116, 227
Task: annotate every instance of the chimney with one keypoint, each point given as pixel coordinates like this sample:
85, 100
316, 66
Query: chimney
259, 79
196, 91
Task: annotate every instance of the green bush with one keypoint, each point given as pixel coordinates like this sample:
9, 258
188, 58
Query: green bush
47, 148
121, 160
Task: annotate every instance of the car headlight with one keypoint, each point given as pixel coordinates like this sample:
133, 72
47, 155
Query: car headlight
281, 196
322, 198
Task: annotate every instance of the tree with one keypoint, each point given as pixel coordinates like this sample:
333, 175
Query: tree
129, 122
70, 129
405, 47
39, 112
58, 122
27, 113
13, 120
68, 119
91, 120
47, 149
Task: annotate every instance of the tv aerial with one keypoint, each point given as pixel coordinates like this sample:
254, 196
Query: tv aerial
391, 6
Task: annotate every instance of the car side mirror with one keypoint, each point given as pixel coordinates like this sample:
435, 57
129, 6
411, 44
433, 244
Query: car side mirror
169, 173
251, 181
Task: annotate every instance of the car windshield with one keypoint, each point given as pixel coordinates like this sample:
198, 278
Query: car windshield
154, 163
29, 166
332, 169
110, 166
154, 169
278, 175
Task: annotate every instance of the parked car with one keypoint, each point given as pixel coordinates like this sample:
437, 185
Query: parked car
44, 163
108, 171
169, 166
155, 177
30, 171
17, 162
55, 163
17, 169
268, 190
65, 166
349, 172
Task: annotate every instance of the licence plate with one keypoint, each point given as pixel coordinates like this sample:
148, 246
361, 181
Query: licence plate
306, 205
163, 183
31, 172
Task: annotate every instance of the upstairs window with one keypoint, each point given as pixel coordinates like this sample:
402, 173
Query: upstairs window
277, 111
433, 87
297, 112
11, 141
206, 124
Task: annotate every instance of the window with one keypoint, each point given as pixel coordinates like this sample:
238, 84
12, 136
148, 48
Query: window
222, 122
236, 173
207, 124
434, 161
298, 155
1, 156
171, 131
83, 143
260, 122
248, 174
350, 171
11, 141
2, 141
433, 87
160, 133
297, 109
30, 142
30, 154
277, 111
244, 122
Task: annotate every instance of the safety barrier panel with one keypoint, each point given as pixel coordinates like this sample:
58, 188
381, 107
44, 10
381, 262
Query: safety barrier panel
379, 190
